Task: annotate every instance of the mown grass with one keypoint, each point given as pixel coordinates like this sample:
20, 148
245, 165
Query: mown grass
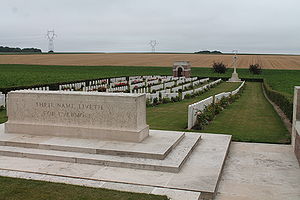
250, 119
21, 189
28, 75
173, 116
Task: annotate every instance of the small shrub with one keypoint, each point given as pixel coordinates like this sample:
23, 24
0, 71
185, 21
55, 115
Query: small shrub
2, 108
255, 69
187, 96
218, 108
166, 100
175, 99
102, 89
224, 102
155, 101
148, 103
210, 112
219, 67
201, 121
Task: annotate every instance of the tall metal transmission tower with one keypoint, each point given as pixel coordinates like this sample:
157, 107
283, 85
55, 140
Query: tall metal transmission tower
153, 44
50, 36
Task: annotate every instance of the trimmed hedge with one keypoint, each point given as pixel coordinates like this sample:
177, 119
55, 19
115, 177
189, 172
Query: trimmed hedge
284, 101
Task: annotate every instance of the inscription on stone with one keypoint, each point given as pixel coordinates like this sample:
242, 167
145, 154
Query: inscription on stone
77, 111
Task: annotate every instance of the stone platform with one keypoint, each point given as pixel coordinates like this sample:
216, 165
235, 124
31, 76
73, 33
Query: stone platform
161, 151
166, 160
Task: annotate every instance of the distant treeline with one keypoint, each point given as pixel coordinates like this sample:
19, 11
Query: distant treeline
25, 50
209, 52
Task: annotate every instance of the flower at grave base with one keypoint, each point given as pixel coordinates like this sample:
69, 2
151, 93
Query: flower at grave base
120, 84
198, 113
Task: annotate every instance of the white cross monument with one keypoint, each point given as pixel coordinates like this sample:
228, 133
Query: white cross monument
234, 76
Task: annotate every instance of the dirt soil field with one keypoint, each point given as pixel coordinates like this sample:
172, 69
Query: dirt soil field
139, 59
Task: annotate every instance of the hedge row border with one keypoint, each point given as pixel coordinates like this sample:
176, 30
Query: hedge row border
284, 102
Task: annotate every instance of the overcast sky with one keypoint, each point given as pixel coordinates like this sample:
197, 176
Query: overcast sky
254, 26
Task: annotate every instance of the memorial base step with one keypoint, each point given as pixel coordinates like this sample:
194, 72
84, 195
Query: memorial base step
172, 162
157, 146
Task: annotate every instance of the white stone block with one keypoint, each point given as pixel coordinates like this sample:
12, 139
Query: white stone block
78, 114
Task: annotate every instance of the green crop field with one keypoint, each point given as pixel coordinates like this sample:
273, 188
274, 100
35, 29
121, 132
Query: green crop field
27, 75
21, 189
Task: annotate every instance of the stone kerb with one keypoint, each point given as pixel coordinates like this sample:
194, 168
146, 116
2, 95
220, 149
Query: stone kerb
112, 116
296, 123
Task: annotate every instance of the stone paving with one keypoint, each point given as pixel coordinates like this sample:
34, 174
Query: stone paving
260, 172
252, 172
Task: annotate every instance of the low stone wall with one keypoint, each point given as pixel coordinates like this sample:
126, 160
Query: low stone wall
296, 123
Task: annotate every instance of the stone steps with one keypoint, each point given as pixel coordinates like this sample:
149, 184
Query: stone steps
172, 162
156, 146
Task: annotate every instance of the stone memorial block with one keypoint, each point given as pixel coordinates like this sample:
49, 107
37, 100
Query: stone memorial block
108, 116
296, 123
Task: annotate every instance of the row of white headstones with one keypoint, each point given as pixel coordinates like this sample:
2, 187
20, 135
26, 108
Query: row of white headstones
152, 86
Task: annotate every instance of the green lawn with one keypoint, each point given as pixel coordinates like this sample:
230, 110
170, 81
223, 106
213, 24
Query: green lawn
21, 189
173, 116
257, 123
3, 117
250, 119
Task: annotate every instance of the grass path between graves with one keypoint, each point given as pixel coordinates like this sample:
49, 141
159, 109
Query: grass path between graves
173, 116
21, 189
250, 119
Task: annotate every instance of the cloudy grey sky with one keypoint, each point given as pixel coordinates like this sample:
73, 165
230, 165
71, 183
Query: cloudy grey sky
254, 26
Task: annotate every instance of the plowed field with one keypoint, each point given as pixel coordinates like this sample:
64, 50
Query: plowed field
139, 59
